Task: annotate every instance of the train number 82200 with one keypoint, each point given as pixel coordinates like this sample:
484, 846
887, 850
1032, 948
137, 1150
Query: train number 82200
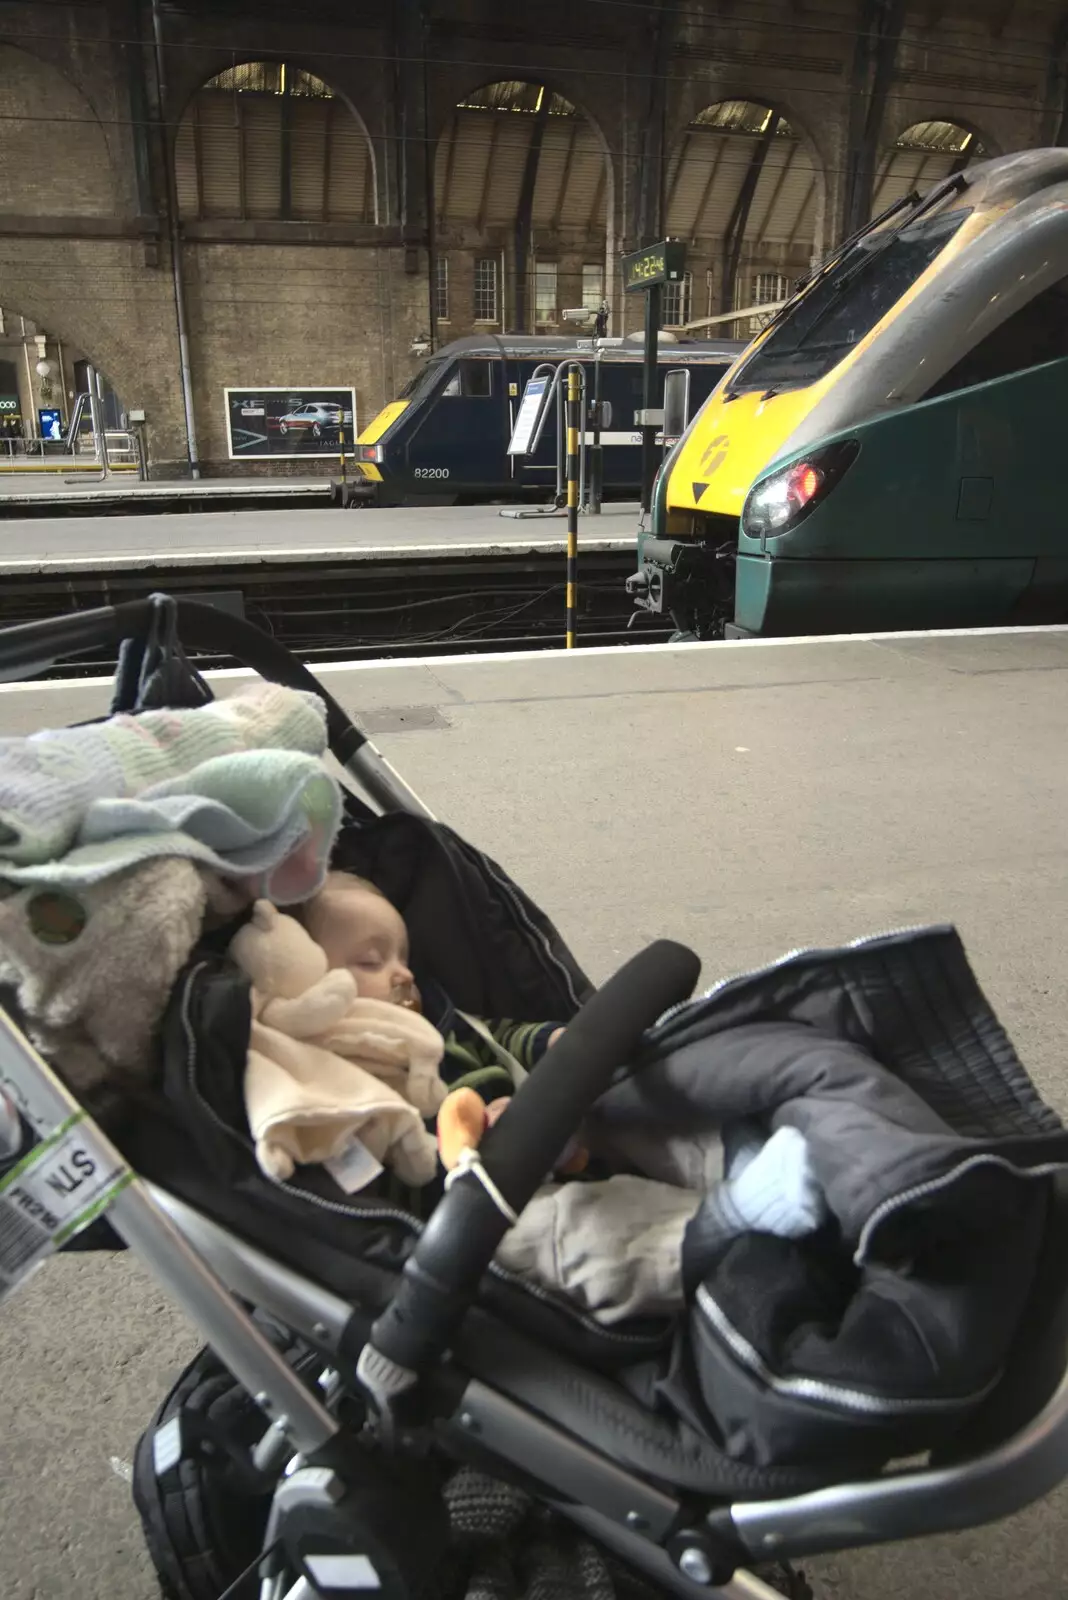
431, 472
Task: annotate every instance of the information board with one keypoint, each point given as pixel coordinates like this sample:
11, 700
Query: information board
526, 422
275, 423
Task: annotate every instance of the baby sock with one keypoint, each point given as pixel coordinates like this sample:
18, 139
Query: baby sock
769, 1187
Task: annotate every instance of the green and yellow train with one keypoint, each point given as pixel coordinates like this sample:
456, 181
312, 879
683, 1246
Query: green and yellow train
892, 450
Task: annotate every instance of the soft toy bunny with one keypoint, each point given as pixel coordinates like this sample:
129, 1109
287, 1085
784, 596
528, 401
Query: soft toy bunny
309, 1001
306, 1101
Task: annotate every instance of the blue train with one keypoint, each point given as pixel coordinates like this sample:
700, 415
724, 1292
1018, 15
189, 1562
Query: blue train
446, 438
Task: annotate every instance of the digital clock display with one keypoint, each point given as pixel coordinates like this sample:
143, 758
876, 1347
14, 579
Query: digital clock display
657, 263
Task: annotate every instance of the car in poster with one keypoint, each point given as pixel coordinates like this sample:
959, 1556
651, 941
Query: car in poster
318, 417
266, 423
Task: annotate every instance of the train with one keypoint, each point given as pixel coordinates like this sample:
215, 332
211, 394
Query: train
886, 453
445, 439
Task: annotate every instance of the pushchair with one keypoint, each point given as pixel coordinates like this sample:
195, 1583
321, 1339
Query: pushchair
421, 1356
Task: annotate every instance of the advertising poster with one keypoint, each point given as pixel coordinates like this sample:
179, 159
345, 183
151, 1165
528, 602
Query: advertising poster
50, 422
271, 423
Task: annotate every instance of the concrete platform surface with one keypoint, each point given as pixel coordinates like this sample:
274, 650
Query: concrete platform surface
48, 482
746, 798
215, 538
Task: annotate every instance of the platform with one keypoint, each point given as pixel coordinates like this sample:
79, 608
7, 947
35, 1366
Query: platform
745, 797
44, 486
242, 538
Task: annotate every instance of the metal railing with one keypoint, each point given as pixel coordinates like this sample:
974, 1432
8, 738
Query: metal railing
114, 451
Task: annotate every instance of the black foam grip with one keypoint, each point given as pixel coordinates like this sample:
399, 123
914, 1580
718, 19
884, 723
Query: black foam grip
459, 1241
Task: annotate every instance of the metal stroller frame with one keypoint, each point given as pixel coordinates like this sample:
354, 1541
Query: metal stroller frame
1018, 1452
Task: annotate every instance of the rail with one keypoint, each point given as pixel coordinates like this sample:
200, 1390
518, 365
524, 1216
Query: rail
116, 451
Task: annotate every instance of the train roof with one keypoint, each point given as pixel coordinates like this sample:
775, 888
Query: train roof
553, 347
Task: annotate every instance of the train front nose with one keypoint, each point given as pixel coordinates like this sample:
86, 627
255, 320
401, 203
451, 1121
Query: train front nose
372, 444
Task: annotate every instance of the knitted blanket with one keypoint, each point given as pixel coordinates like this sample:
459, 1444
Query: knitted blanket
234, 786
50, 780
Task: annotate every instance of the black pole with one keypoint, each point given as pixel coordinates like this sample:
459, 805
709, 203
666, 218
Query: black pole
652, 331
596, 476
574, 389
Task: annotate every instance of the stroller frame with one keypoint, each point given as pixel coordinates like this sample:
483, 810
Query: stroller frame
688, 1547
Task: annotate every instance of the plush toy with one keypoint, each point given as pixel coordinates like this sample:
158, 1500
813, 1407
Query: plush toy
307, 999
92, 971
321, 1059
464, 1120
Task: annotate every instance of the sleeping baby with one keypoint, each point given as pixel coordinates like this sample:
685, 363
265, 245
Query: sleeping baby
616, 1248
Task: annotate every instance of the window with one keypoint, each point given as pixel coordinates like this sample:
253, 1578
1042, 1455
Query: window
769, 287
592, 286
545, 301
473, 380
843, 308
1037, 332
486, 289
265, 139
441, 288
675, 301
422, 379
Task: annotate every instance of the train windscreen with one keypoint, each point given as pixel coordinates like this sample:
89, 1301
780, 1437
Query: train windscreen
422, 379
843, 308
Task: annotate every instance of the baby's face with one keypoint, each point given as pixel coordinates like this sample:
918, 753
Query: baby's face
364, 933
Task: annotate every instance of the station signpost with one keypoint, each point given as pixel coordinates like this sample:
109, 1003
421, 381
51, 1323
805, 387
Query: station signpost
646, 272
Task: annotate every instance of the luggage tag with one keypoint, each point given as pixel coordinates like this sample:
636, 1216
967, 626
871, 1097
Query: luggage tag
50, 1189
354, 1167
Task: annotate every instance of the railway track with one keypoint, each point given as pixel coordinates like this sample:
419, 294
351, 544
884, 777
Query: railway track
335, 611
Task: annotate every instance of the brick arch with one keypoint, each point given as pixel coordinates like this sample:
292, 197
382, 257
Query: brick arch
446, 117
189, 160
123, 323
709, 171
901, 166
905, 121
54, 156
480, 158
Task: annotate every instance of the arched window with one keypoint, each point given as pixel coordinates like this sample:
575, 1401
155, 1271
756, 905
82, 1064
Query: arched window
266, 141
504, 130
726, 147
922, 156
742, 189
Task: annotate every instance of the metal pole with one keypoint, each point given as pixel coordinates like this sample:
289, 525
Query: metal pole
94, 415
573, 406
101, 413
596, 459
185, 372
652, 331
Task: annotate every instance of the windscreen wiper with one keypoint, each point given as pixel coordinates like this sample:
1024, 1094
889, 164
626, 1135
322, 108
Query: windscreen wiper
848, 279
913, 204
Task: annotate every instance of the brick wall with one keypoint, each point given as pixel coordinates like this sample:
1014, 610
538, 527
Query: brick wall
84, 248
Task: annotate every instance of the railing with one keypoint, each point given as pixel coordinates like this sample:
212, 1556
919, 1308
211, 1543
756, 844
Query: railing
116, 452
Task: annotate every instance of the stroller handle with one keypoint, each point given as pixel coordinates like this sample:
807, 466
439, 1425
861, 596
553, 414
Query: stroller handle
32, 647
442, 1274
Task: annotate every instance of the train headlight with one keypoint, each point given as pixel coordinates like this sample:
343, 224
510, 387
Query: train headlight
777, 503
370, 452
